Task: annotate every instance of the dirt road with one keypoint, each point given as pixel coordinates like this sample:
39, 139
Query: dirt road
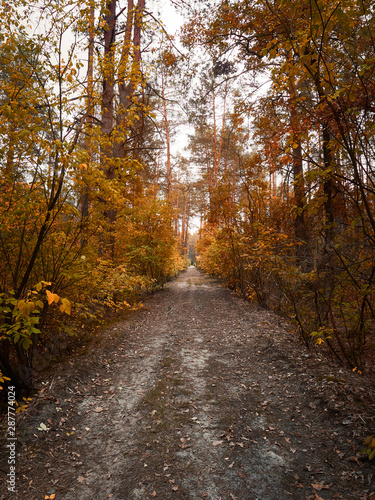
199, 396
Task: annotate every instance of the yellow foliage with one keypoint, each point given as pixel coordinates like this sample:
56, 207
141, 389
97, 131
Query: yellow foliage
65, 306
52, 297
3, 379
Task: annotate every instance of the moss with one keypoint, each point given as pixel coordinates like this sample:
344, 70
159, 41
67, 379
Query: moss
228, 421
177, 381
332, 379
159, 411
184, 405
167, 362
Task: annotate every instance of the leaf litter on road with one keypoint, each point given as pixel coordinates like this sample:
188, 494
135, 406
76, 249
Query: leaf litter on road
213, 366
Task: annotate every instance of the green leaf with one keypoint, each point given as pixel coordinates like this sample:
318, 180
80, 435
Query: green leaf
26, 343
369, 439
23, 134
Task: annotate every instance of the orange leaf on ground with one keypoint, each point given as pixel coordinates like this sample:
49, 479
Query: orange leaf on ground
320, 487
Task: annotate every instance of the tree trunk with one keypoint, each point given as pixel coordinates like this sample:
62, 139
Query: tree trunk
129, 70
328, 185
106, 150
168, 142
303, 250
108, 90
90, 114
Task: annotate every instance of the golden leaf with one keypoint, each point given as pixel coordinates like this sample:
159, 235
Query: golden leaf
52, 297
66, 306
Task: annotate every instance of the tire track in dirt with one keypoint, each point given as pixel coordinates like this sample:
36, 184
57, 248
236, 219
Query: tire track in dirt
203, 396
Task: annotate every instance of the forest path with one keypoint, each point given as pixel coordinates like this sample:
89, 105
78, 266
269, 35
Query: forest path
200, 396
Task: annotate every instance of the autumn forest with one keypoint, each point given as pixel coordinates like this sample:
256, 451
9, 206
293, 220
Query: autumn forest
252, 125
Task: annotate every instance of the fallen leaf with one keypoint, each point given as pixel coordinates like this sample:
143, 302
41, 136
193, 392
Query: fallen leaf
98, 409
43, 427
356, 460
81, 479
320, 487
184, 446
153, 494
216, 443
174, 488
317, 497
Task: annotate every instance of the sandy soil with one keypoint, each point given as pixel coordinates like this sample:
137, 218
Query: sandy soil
199, 396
